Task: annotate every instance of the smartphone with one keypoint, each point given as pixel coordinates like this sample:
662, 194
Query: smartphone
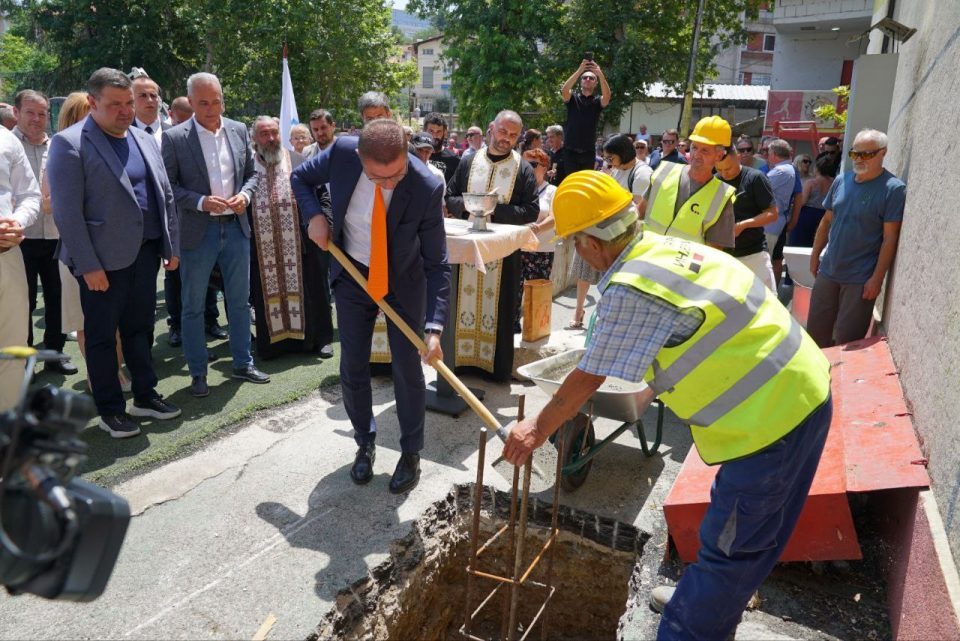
588, 55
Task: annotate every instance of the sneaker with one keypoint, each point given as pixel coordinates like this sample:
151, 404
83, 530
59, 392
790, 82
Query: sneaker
63, 366
155, 408
251, 374
198, 387
659, 597
326, 351
119, 426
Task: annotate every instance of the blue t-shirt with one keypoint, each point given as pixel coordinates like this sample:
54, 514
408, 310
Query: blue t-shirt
856, 233
783, 180
142, 182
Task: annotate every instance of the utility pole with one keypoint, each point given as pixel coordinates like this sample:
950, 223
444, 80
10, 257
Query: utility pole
691, 74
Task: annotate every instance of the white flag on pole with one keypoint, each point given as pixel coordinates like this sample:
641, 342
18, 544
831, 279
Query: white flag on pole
288, 106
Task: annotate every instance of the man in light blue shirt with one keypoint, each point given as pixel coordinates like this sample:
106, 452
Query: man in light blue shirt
862, 224
783, 179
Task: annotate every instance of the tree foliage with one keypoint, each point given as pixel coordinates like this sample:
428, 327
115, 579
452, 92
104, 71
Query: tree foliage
832, 112
516, 54
21, 63
337, 48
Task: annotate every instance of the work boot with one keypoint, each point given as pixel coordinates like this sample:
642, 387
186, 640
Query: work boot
659, 597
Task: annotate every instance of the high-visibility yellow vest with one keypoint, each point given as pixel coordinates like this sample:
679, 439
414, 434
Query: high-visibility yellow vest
749, 374
701, 211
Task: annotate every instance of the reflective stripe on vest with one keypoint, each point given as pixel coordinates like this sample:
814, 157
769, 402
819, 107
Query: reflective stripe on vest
695, 216
737, 317
749, 374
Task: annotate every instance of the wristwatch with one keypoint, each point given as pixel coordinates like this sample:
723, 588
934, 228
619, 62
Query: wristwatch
433, 330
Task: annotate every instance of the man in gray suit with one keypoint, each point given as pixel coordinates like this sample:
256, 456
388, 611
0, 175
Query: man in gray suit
210, 165
114, 208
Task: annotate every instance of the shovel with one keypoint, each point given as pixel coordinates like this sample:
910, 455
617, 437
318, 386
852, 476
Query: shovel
542, 456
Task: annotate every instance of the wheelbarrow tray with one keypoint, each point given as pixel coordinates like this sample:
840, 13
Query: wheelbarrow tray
616, 399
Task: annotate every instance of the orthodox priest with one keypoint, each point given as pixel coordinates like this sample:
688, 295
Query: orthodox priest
286, 277
487, 301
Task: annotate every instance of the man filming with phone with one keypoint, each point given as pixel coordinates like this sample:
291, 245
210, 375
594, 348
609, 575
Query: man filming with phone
583, 114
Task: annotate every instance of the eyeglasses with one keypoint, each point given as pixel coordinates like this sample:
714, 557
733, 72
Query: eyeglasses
804, 162
863, 155
591, 78
378, 180
668, 142
744, 150
474, 135
639, 145
137, 72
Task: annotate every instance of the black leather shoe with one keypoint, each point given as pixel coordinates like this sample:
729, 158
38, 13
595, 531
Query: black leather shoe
174, 338
407, 474
64, 367
251, 374
215, 331
362, 470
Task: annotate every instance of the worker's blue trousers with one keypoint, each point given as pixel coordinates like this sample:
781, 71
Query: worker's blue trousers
754, 505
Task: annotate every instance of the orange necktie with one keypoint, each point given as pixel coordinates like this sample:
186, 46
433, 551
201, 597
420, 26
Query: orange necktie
377, 280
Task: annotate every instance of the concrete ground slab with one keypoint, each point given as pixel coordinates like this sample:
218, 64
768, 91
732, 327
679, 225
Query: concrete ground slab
267, 520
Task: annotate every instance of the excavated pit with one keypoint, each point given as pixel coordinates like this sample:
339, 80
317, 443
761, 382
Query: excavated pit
419, 592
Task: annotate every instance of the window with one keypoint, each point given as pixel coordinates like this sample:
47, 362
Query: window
760, 79
427, 79
427, 52
769, 42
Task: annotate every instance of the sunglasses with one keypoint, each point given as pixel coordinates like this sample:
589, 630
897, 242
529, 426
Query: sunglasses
668, 142
588, 78
804, 162
863, 155
744, 150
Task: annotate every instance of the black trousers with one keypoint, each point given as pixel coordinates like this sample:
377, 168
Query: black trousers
171, 294
127, 305
574, 160
40, 261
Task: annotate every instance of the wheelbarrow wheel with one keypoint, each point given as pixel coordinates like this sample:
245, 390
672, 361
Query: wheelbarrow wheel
578, 438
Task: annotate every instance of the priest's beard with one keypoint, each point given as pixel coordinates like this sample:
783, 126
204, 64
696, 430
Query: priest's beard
270, 155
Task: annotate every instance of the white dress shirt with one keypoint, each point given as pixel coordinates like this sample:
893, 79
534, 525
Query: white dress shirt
356, 223
156, 129
219, 160
44, 228
19, 190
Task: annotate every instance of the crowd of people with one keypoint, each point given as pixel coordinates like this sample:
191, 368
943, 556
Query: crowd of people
684, 239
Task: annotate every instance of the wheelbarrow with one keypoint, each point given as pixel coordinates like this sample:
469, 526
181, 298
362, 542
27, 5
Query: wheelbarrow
616, 399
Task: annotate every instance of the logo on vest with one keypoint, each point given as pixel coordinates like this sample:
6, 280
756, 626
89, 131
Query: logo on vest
688, 258
695, 209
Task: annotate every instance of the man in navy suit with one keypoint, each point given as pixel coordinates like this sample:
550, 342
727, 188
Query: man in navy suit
357, 169
114, 208
210, 165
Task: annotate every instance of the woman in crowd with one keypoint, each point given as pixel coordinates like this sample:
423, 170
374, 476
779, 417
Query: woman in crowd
804, 167
811, 201
538, 264
300, 137
75, 108
532, 139
642, 149
634, 176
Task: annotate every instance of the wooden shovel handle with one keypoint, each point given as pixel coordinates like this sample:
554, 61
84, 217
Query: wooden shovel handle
415, 338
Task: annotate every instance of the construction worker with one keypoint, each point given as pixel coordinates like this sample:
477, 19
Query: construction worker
726, 357
687, 201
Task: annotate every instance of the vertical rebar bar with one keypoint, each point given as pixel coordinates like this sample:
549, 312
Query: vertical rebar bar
554, 532
518, 556
475, 530
514, 489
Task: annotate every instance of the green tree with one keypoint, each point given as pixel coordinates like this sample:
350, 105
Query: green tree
831, 112
337, 48
513, 54
22, 64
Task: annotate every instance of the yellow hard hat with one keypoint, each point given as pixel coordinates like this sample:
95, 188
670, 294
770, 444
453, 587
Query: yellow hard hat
712, 130
586, 198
